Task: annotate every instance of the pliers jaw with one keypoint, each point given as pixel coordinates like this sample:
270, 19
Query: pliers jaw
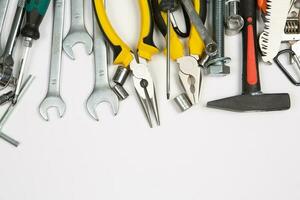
145, 90
190, 75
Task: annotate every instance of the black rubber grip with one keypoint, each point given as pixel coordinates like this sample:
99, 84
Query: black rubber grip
169, 5
162, 27
150, 39
35, 12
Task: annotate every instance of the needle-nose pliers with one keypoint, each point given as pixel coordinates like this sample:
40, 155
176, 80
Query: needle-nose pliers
135, 61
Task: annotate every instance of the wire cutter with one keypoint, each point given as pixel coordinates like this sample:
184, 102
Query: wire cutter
136, 62
190, 74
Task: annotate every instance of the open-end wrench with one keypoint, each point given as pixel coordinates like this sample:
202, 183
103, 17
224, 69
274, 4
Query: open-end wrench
102, 91
9, 111
211, 46
6, 59
3, 10
78, 32
53, 98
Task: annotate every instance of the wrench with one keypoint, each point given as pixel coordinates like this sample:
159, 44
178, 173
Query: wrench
6, 59
102, 91
53, 98
211, 46
3, 10
77, 33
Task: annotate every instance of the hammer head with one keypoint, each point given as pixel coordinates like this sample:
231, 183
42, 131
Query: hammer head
250, 102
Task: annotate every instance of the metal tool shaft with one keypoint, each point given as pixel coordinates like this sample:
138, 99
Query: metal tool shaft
27, 44
15, 28
168, 55
168, 6
6, 60
56, 49
3, 10
10, 110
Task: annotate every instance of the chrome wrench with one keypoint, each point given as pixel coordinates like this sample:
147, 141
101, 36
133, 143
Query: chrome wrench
78, 32
53, 98
102, 91
210, 45
3, 10
6, 59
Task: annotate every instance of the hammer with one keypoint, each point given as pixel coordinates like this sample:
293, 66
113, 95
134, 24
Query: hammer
251, 99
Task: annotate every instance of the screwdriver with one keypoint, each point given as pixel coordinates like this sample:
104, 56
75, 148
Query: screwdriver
35, 12
168, 6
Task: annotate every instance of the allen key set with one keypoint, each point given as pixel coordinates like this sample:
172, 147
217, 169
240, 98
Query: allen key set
196, 50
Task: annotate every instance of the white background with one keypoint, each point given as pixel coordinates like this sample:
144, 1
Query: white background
200, 154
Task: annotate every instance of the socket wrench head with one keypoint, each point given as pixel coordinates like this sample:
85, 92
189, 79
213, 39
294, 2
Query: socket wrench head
233, 20
119, 79
120, 91
183, 102
234, 24
121, 75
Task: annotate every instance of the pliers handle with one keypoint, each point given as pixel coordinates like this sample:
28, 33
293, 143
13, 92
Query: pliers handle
195, 43
122, 52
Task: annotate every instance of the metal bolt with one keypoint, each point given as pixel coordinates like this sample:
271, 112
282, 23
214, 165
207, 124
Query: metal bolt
216, 66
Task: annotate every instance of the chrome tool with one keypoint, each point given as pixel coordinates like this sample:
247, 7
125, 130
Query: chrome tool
77, 33
53, 98
10, 110
102, 92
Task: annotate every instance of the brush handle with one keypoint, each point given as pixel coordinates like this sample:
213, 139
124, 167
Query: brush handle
251, 82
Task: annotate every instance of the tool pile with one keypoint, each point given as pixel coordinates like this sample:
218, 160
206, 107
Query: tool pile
205, 55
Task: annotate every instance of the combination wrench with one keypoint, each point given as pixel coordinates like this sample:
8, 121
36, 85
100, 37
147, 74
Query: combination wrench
78, 32
53, 98
210, 45
3, 10
102, 92
6, 59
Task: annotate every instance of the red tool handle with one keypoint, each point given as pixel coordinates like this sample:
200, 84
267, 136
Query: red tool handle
251, 82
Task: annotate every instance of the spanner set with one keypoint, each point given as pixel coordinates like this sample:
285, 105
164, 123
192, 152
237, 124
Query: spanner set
202, 55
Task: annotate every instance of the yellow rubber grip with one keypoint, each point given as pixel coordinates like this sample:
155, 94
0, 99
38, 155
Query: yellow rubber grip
122, 52
146, 47
176, 46
196, 44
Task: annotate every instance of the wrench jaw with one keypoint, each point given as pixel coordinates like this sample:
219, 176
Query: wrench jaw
99, 96
52, 102
78, 37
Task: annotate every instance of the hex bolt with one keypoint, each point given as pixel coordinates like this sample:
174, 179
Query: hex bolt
217, 65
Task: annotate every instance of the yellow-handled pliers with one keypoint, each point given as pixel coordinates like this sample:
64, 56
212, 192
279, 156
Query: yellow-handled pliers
189, 70
136, 62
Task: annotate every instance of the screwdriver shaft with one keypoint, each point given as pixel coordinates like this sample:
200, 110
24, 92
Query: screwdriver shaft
168, 55
27, 44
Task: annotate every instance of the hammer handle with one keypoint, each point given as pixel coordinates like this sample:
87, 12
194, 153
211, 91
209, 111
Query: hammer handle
251, 82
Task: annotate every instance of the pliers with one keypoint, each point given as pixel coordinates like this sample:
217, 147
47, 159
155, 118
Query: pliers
135, 61
190, 74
